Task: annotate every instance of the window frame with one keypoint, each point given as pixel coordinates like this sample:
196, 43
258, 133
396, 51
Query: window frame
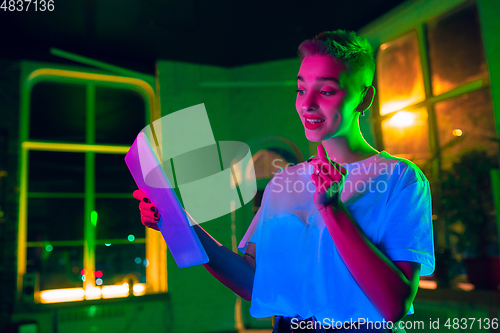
33, 73
429, 99
400, 21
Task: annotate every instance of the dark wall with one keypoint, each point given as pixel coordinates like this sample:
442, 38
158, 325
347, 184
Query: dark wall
9, 150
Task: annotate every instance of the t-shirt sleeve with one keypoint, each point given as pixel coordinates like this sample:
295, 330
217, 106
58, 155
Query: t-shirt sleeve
253, 231
406, 233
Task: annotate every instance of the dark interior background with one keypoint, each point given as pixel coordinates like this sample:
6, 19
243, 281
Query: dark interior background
134, 33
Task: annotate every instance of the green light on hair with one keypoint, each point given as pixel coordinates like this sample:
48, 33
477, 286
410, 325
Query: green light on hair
93, 218
131, 238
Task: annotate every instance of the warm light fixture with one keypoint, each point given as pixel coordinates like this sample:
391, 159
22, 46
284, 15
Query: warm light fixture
79, 294
427, 284
115, 291
139, 289
93, 293
457, 132
62, 295
402, 119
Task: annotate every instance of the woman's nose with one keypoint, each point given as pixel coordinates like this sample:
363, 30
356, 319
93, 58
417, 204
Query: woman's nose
309, 103
309, 106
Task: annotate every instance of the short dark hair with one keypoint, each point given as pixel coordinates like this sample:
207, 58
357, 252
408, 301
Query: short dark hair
355, 50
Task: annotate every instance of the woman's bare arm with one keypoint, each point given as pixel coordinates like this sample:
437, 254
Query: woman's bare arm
231, 269
250, 255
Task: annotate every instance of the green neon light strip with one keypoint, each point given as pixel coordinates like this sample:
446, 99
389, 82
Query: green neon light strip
93, 218
89, 227
74, 147
74, 195
81, 242
99, 64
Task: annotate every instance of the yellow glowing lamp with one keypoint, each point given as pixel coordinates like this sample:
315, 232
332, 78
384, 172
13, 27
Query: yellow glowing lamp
457, 132
93, 293
115, 291
62, 295
139, 289
402, 119
79, 294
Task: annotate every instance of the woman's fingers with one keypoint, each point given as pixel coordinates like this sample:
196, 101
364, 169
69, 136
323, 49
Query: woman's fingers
149, 219
322, 181
149, 212
329, 167
152, 226
321, 151
147, 206
139, 195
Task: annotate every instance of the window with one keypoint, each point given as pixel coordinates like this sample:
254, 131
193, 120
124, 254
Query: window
434, 93
435, 104
77, 214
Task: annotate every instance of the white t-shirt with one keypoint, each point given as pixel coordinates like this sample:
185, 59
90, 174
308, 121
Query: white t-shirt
299, 270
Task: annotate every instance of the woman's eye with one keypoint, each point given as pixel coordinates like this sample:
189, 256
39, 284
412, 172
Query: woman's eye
327, 93
299, 91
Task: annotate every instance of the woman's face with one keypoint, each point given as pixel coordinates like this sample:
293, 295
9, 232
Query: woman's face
326, 98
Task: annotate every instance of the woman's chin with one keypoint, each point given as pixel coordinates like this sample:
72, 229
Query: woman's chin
313, 136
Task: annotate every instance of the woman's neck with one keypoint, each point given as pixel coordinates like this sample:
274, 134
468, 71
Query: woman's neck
342, 151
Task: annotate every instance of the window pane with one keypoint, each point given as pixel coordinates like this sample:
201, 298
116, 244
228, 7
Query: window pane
56, 172
466, 122
58, 112
405, 135
399, 74
455, 49
112, 175
118, 261
119, 116
59, 266
118, 218
58, 219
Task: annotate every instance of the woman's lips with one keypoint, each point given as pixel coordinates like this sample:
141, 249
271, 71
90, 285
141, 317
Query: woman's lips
313, 125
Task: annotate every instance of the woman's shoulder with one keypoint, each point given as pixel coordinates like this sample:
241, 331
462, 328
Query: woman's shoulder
405, 169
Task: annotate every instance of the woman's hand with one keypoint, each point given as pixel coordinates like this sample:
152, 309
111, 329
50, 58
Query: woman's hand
149, 213
328, 177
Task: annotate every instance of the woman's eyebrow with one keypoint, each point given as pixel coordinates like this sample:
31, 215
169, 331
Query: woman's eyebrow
321, 78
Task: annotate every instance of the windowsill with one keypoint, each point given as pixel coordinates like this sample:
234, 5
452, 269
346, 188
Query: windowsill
28, 307
460, 291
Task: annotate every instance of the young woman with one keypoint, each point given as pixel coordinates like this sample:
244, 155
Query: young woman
341, 240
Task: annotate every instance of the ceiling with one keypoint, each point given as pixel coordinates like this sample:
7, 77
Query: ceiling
135, 33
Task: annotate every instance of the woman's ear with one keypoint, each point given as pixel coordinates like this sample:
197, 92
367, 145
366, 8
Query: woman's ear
366, 99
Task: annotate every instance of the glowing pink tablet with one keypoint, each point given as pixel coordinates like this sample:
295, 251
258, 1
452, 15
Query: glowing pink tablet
150, 177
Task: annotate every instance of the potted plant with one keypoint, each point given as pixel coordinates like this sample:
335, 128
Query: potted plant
468, 210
